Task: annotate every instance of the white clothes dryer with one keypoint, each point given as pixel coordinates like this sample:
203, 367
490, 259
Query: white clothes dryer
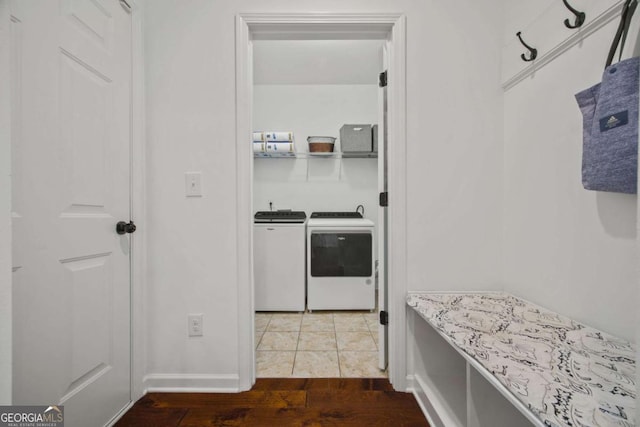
340, 262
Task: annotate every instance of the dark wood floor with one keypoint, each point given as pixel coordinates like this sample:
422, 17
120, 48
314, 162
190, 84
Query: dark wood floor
283, 402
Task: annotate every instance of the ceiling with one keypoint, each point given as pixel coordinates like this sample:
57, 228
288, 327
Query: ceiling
301, 62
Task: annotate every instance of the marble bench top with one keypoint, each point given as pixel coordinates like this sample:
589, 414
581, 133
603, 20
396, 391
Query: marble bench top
565, 373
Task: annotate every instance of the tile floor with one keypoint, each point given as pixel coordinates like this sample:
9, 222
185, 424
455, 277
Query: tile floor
325, 344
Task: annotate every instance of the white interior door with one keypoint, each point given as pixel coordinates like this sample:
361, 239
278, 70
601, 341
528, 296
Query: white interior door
71, 158
383, 294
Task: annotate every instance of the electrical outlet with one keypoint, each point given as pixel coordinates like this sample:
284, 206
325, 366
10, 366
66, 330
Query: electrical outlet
195, 325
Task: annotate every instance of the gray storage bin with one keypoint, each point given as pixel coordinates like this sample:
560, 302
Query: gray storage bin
356, 138
374, 135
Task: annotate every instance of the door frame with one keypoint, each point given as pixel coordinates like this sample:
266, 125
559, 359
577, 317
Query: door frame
364, 25
6, 321
138, 263
138, 205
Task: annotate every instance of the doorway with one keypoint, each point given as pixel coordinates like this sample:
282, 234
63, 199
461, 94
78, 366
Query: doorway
306, 87
389, 28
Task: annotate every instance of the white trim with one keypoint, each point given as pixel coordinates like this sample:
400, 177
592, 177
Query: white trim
138, 206
288, 20
637, 247
397, 210
585, 31
119, 415
191, 383
5, 201
421, 391
392, 26
244, 206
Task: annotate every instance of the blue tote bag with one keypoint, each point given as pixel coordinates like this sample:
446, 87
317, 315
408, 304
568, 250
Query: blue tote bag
610, 120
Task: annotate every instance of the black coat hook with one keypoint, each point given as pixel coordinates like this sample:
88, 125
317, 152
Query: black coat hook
533, 50
580, 16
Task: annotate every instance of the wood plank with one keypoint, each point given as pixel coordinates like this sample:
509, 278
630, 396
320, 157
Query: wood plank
322, 383
142, 416
291, 383
360, 384
247, 399
269, 417
372, 400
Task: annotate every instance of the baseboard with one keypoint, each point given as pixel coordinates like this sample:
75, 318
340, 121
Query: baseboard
119, 415
410, 383
191, 383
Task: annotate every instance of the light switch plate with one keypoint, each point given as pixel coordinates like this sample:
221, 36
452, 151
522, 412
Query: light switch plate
195, 325
193, 182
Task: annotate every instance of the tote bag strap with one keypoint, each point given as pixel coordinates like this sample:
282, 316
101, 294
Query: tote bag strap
627, 25
619, 39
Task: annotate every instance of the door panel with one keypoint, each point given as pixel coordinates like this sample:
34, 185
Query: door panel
93, 19
85, 97
90, 320
72, 302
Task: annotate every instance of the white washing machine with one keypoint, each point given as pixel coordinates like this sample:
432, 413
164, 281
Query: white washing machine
279, 260
340, 262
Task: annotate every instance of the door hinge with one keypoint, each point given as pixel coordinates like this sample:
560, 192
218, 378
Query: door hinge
384, 318
382, 81
384, 199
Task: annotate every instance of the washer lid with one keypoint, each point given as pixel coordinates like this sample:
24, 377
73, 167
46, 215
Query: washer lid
336, 215
340, 222
280, 217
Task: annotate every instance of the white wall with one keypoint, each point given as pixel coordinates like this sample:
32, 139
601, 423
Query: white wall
454, 162
566, 248
5, 207
454, 154
315, 184
190, 118
313, 62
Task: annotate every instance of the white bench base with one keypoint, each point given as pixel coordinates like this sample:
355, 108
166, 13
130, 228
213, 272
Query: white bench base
452, 392
491, 359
